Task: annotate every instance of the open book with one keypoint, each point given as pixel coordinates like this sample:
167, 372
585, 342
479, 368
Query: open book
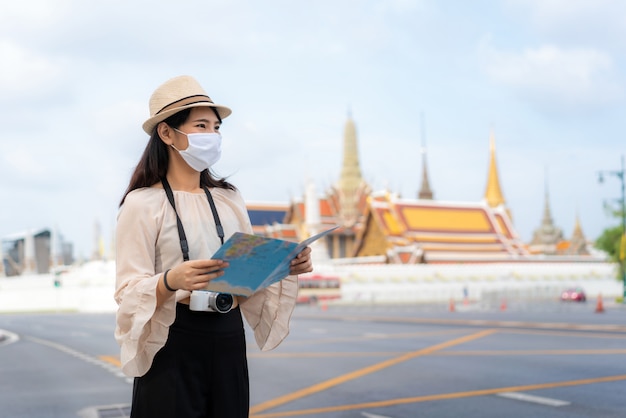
256, 262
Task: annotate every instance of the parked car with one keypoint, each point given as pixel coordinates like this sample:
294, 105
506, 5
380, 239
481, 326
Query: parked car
575, 294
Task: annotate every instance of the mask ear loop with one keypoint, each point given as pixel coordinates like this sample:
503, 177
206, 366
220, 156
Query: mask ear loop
181, 132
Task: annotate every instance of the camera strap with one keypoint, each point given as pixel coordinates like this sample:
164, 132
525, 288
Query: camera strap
181, 231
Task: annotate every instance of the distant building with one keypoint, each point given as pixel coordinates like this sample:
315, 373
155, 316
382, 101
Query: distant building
577, 245
410, 231
547, 236
383, 227
548, 239
34, 252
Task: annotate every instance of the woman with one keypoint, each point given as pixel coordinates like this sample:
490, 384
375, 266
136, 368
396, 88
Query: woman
187, 363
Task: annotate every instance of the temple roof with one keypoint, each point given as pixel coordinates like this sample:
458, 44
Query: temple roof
264, 214
401, 230
446, 231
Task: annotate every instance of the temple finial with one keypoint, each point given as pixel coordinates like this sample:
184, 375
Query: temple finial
425, 191
493, 193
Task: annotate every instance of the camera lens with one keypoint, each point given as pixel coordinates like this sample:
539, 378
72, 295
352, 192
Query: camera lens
224, 302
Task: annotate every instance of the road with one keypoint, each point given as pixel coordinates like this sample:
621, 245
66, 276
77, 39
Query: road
545, 360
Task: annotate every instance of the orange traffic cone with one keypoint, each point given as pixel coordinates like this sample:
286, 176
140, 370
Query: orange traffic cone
324, 305
503, 305
599, 306
451, 305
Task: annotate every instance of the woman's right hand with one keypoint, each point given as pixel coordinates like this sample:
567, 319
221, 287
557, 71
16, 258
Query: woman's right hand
195, 274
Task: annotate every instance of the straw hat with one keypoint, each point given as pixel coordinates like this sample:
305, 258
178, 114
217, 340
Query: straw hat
177, 94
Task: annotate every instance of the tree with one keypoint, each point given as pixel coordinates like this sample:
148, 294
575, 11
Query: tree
610, 241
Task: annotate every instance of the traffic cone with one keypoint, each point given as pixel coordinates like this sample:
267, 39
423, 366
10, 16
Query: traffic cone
599, 305
503, 305
451, 305
324, 305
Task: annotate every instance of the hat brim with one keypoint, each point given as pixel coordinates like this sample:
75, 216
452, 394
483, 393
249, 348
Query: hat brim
148, 125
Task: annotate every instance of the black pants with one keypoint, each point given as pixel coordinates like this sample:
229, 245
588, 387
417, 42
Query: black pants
201, 372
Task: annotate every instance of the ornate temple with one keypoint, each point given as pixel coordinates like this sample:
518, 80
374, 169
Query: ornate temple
547, 235
383, 227
548, 239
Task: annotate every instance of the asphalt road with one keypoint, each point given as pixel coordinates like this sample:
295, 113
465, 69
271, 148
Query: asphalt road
540, 360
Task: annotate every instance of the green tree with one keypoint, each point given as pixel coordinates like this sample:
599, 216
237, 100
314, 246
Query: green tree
610, 241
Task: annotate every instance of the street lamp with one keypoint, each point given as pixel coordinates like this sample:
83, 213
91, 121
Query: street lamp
620, 175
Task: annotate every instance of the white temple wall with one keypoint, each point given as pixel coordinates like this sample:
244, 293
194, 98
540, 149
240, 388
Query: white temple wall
436, 283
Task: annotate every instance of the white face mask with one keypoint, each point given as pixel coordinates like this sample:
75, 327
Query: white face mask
203, 150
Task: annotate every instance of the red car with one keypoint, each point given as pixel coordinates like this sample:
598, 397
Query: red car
575, 294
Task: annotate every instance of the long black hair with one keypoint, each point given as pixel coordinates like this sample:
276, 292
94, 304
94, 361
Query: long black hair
155, 159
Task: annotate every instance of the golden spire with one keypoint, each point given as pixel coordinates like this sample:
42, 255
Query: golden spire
578, 230
547, 214
578, 243
350, 171
350, 180
425, 191
493, 194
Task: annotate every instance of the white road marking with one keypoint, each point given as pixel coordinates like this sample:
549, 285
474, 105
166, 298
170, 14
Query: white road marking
84, 357
366, 415
535, 399
7, 337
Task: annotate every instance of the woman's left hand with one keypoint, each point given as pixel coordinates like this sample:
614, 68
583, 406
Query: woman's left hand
302, 263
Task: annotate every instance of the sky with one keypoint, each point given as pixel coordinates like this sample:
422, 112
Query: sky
547, 77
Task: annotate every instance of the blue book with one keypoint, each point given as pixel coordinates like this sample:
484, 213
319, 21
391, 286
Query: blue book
256, 262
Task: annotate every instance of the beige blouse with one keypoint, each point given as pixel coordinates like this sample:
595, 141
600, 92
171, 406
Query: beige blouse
147, 244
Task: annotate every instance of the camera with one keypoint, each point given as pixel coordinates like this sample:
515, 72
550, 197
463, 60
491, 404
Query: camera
204, 300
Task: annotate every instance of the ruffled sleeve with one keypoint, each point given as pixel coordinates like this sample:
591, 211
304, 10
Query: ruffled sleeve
269, 310
141, 326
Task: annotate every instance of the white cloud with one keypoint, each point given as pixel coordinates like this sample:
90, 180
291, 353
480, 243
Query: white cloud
575, 78
22, 163
26, 14
575, 22
560, 11
25, 72
116, 119
83, 73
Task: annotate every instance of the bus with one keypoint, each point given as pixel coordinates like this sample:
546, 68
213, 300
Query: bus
314, 288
